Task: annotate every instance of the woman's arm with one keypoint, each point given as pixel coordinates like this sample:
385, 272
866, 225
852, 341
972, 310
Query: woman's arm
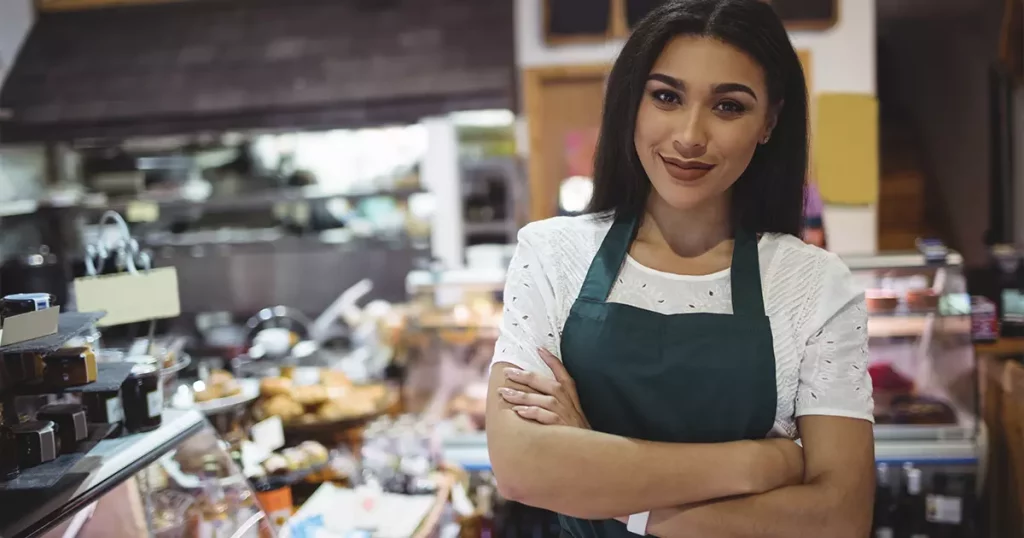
834, 500
835, 409
588, 474
593, 475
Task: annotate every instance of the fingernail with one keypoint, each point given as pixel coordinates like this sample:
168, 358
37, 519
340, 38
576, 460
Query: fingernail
521, 408
513, 373
507, 392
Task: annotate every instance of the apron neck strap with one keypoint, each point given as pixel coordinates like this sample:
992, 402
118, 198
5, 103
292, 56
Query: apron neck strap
746, 276
745, 273
608, 261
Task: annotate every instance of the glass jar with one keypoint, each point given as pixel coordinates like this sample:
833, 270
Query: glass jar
23, 303
143, 399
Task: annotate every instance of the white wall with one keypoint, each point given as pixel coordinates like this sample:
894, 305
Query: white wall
16, 17
843, 60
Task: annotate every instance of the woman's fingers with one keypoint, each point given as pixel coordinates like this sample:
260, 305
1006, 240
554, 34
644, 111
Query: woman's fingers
516, 397
557, 368
541, 384
536, 414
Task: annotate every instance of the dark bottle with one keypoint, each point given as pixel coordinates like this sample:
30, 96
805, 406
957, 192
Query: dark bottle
885, 505
950, 505
485, 509
910, 513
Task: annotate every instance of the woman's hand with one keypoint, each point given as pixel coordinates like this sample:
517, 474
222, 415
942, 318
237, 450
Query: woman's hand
546, 401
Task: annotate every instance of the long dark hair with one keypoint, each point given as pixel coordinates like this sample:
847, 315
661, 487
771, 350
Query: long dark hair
768, 196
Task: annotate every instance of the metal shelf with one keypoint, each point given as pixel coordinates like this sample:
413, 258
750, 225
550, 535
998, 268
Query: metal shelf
110, 463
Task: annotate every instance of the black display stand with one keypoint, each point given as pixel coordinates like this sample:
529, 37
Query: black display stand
69, 325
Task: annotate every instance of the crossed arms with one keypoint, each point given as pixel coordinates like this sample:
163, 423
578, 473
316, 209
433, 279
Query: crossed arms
740, 489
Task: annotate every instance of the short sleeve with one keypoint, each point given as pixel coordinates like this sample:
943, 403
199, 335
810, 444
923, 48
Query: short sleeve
834, 377
528, 321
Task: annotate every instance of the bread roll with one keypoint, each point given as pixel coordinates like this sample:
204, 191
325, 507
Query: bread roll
311, 395
275, 386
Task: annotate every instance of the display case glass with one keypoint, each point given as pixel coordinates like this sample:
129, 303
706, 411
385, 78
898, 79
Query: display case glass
177, 481
921, 354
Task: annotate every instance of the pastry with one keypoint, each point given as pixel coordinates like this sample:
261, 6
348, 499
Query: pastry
276, 464
922, 300
297, 459
219, 377
282, 406
311, 395
315, 452
275, 386
334, 378
881, 301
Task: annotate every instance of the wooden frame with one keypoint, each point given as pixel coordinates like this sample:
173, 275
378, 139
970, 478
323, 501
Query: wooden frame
618, 26
816, 25
616, 18
534, 80
74, 5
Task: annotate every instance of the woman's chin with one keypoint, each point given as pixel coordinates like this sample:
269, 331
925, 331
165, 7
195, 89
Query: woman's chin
683, 198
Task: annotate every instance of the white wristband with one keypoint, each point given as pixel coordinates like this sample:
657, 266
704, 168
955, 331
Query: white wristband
637, 523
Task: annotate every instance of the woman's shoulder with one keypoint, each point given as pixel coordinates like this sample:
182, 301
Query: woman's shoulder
812, 280
792, 253
566, 233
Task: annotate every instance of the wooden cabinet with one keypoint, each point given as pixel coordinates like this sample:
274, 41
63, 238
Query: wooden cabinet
567, 21
563, 110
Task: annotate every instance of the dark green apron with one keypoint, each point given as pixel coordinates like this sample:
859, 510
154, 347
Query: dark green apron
681, 378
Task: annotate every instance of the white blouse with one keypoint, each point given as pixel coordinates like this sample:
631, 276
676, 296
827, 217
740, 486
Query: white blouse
816, 311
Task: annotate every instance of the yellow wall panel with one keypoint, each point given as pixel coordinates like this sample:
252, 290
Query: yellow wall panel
845, 148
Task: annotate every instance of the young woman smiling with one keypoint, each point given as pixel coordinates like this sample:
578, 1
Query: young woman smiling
659, 355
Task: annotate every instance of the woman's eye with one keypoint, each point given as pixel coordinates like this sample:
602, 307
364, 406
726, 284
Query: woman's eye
730, 107
665, 97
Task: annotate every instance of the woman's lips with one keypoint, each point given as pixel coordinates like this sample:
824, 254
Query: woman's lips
686, 170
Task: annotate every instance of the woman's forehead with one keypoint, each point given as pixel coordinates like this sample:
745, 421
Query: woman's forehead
698, 61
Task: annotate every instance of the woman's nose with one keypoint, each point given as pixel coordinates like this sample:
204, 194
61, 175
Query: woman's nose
692, 140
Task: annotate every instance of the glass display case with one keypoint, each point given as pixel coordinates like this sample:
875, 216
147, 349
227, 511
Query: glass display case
176, 481
921, 355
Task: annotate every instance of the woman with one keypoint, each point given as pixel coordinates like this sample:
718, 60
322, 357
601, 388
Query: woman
658, 354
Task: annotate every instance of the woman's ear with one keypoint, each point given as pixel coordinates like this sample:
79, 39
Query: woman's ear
772, 120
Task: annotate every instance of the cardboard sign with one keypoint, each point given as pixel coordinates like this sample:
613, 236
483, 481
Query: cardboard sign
130, 297
29, 326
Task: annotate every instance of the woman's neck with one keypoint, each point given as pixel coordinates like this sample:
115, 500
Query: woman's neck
688, 233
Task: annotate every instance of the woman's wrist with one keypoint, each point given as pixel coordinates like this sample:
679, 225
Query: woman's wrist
781, 464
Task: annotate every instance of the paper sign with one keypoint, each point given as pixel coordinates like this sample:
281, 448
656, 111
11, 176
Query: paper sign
142, 212
268, 434
130, 297
29, 326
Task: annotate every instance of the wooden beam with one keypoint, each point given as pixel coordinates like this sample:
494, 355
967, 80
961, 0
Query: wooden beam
75, 5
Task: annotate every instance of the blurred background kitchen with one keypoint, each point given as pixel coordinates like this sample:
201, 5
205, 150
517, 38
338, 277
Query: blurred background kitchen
339, 183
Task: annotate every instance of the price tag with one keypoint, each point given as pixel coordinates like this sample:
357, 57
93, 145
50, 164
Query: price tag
268, 434
943, 509
142, 212
460, 501
128, 297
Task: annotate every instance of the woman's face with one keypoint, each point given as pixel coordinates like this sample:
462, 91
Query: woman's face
704, 111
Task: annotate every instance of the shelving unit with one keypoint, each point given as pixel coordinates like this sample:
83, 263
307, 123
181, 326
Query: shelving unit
107, 465
504, 171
